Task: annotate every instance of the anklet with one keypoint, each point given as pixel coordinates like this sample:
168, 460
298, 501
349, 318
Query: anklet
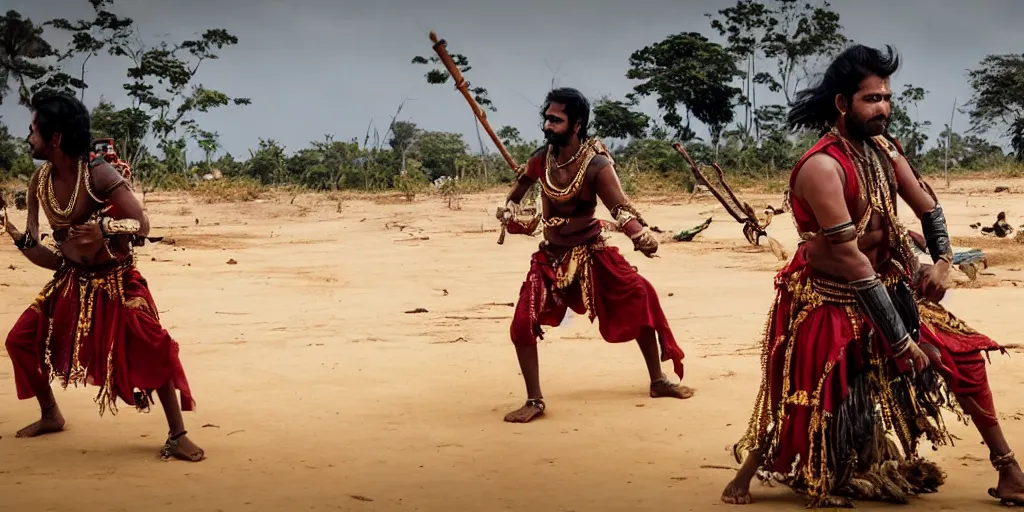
1004, 461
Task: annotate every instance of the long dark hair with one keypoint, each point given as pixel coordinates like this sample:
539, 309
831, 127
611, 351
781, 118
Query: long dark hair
815, 107
577, 108
58, 112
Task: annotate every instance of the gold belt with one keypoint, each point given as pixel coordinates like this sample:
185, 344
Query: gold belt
842, 293
552, 222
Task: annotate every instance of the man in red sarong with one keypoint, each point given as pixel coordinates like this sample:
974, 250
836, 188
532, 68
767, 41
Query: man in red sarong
573, 267
857, 350
95, 322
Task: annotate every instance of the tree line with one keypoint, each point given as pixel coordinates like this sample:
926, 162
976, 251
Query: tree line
720, 78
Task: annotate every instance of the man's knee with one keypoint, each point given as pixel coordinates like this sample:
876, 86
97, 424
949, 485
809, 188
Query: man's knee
522, 331
23, 334
980, 406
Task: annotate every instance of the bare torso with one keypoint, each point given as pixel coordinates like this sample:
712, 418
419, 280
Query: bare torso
74, 250
581, 226
873, 242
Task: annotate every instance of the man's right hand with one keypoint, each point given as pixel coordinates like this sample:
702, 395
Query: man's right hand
914, 358
507, 212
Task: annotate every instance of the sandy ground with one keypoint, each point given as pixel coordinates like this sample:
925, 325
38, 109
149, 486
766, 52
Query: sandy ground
317, 391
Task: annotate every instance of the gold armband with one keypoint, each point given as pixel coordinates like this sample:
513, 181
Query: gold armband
842, 233
624, 213
114, 227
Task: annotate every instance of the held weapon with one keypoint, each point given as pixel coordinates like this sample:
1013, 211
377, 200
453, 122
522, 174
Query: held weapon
441, 48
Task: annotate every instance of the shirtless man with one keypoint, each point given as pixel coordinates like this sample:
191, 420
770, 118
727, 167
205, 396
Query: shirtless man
573, 267
116, 342
856, 322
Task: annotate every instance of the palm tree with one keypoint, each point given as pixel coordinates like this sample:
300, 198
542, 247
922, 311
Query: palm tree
21, 43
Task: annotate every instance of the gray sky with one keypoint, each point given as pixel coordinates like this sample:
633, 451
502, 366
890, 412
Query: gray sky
313, 67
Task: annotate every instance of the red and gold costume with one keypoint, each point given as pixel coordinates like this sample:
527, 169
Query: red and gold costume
830, 390
580, 271
95, 325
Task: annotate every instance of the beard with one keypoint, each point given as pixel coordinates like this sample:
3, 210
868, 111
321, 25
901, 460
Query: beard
863, 130
556, 140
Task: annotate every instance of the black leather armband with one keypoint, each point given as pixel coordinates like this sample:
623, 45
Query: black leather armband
875, 301
933, 225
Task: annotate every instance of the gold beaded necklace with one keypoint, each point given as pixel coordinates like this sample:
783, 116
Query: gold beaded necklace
62, 215
570, 190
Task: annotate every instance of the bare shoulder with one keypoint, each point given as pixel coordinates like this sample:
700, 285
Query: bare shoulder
599, 166
104, 178
600, 162
818, 172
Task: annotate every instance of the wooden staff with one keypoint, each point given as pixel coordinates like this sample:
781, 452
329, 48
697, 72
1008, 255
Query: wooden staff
441, 48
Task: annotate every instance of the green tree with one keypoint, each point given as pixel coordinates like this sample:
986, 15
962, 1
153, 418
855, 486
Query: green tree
617, 120
519, 148
801, 35
441, 154
267, 164
89, 37
998, 98
21, 48
688, 72
905, 125
207, 141
174, 101
403, 137
746, 26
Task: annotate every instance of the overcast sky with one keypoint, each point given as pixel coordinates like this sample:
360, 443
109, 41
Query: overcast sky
313, 67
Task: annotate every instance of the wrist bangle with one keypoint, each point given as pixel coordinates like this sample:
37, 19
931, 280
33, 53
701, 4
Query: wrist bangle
25, 242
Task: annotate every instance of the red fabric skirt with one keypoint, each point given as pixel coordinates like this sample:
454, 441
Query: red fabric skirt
594, 279
817, 343
100, 328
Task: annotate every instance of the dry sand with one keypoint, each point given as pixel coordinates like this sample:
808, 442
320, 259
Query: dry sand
317, 391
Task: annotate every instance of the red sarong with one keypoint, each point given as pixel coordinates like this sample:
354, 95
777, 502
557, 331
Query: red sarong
98, 327
594, 279
817, 345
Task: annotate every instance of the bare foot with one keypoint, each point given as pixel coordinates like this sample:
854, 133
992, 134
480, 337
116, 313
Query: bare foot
50, 422
534, 407
737, 493
1010, 490
663, 388
182, 448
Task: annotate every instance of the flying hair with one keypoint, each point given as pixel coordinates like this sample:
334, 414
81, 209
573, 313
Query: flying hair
814, 108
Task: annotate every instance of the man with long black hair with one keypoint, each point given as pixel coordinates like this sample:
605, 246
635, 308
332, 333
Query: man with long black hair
856, 341
574, 268
95, 322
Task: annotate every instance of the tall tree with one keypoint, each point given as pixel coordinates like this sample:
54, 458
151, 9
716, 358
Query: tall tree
801, 35
746, 27
688, 72
173, 105
998, 98
21, 48
618, 120
906, 126
403, 137
89, 37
